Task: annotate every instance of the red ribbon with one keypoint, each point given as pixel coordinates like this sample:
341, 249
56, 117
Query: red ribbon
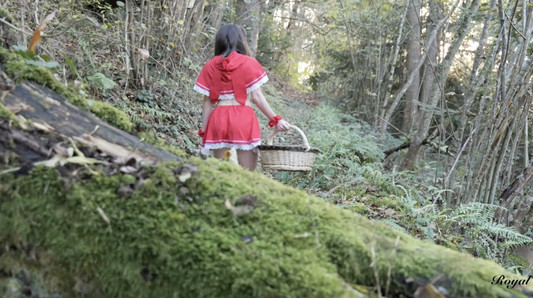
274, 121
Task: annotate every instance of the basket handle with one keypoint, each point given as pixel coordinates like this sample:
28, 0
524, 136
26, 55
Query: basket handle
306, 143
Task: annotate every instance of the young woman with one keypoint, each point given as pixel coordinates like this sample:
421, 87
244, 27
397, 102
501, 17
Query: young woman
225, 81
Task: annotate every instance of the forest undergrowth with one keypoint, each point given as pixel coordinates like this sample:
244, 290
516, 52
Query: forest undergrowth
352, 172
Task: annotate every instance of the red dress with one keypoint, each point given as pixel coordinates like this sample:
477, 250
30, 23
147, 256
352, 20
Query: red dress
232, 77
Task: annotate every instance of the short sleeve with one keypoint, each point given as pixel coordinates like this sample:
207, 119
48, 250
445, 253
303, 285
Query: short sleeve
204, 81
256, 76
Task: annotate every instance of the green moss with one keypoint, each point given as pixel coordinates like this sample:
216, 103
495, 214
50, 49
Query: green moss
451, 245
358, 208
5, 113
15, 65
159, 142
167, 238
110, 114
386, 201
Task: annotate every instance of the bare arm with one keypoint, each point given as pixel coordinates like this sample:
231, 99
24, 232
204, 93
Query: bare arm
262, 104
207, 107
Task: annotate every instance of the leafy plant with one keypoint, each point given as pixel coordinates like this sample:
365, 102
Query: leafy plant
487, 237
472, 226
51, 64
100, 81
31, 58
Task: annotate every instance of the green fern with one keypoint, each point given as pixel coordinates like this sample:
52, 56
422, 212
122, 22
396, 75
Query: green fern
159, 114
100, 81
394, 225
474, 222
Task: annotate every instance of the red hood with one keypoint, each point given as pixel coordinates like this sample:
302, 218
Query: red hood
228, 64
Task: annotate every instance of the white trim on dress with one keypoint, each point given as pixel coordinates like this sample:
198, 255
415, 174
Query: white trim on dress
200, 90
256, 86
206, 149
229, 93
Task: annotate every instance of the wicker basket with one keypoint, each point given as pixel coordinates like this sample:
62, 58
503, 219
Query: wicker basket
288, 158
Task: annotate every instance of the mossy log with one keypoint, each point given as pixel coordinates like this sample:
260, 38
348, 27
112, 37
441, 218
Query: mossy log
167, 231
45, 106
199, 228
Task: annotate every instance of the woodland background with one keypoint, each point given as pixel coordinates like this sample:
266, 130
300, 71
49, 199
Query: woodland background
421, 108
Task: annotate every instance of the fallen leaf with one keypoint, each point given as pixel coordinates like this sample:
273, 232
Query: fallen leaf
52, 162
427, 291
240, 210
103, 215
184, 176
22, 122
389, 211
17, 108
186, 172
131, 162
303, 235
144, 54
82, 160
45, 127
128, 169
247, 239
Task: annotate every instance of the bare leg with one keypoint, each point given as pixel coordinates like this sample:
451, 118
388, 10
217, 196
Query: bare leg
219, 153
247, 159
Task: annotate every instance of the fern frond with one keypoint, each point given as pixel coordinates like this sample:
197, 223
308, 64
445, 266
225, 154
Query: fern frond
394, 225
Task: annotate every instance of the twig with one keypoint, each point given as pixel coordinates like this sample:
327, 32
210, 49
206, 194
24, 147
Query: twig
447, 178
314, 224
403, 146
68, 26
389, 273
45, 190
390, 124
511, 22
3, 20
37, 12
136, 145
103, 215
94, 130
78, 152
374, 266
333, 190
9, 170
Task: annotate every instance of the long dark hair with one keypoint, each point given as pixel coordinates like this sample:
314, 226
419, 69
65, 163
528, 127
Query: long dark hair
231, 38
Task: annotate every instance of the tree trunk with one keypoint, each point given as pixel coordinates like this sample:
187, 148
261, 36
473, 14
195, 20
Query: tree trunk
413, 55
401, 93
248, 16
390, 80
427, 81
425, 117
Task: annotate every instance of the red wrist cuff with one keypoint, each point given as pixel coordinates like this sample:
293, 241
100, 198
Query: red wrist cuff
201, 133
274, 121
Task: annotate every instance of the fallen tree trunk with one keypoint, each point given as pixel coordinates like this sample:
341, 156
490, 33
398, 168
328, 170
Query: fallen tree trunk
167, 230
41, 105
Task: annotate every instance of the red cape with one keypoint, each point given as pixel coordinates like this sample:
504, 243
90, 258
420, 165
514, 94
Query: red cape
235, 75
